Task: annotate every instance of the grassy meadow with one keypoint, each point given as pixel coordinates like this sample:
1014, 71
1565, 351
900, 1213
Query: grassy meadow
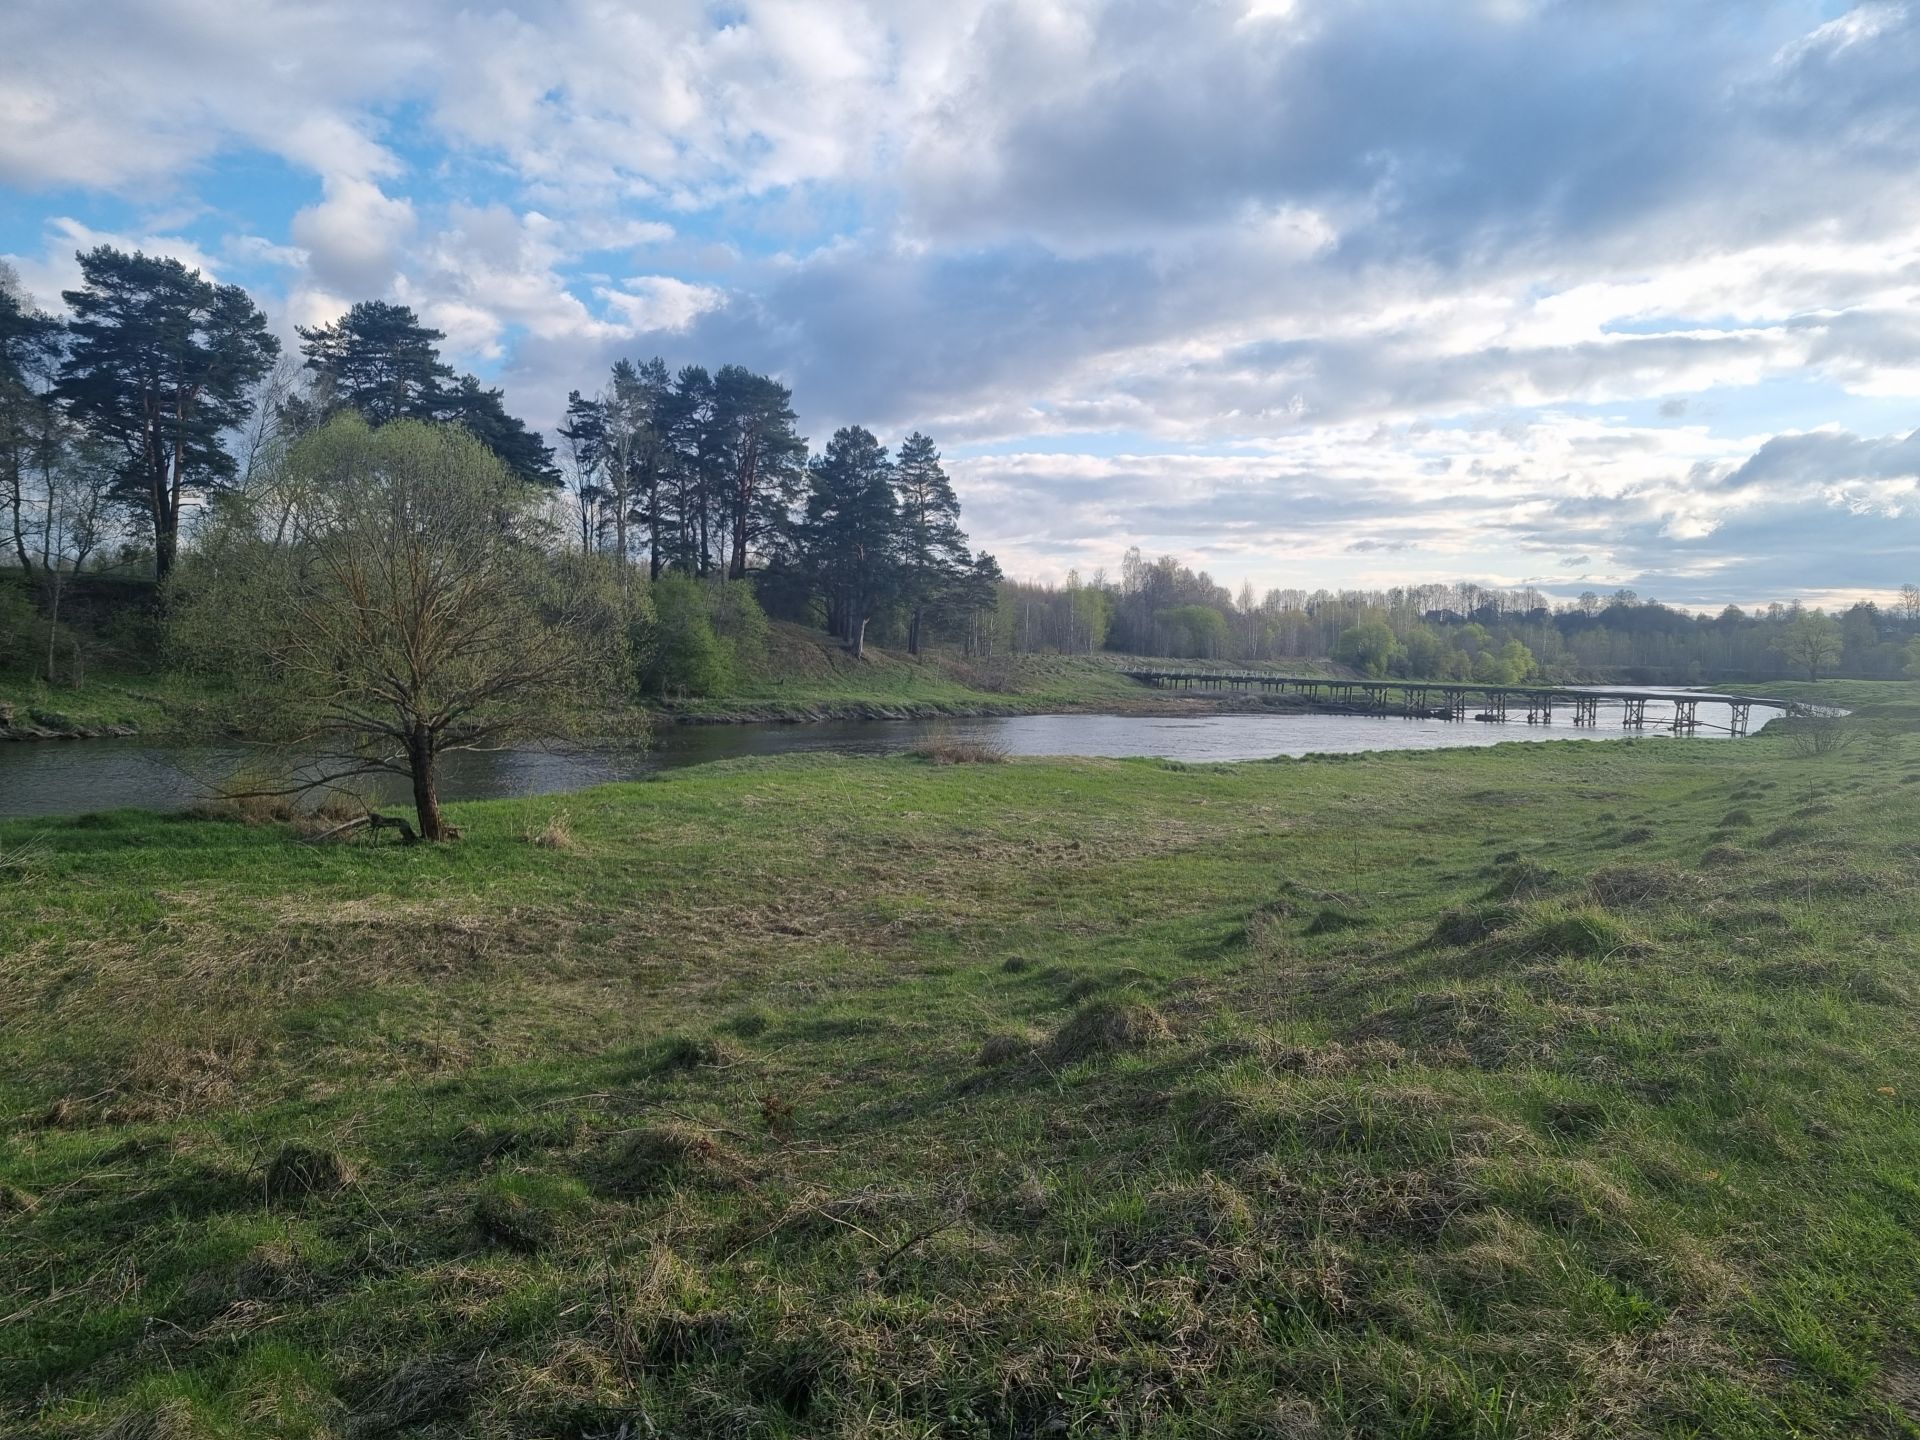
1557, 1089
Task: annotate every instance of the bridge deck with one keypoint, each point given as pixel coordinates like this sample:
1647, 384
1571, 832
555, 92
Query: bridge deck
1558, 692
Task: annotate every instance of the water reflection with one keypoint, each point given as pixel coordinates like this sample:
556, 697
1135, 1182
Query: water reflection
68, 777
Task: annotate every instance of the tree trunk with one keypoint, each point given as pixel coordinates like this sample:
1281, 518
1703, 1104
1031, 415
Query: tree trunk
856, 635
426, 800
913, 632
53, 621
653, 523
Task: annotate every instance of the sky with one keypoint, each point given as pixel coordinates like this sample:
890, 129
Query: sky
1578, 294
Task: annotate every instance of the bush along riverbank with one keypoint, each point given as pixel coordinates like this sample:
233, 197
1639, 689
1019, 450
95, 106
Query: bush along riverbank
1549, 1089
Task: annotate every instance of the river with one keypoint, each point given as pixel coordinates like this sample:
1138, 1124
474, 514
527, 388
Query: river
71, 777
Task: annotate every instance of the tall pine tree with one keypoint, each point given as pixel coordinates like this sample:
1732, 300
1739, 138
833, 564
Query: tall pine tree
379, 360
850, 532
760, 454
933, 549
161, 363
583, 440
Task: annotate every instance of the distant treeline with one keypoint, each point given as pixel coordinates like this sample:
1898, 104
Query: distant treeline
125, 427
1161, 607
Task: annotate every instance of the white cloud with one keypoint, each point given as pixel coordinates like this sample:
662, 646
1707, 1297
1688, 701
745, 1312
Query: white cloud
353, 237
1359, 270
660, 302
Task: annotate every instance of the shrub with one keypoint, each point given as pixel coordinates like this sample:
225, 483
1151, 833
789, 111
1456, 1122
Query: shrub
1818, 734
945, 750
688, 656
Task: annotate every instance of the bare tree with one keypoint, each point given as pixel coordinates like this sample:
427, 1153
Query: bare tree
412, 609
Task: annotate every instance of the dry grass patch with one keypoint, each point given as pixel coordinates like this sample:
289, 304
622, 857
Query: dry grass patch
1520, 880
669, 1156
944, 751
1103, 1027
299, 1171
1640, 885
1006, 1046
556, 834
433, 1388
170, 1420
1471, 924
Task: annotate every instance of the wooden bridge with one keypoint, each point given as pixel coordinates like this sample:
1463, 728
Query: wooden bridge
1463, 700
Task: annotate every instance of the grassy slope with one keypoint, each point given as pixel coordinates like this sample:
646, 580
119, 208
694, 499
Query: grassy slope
1546, 1090
149, 703
807, 674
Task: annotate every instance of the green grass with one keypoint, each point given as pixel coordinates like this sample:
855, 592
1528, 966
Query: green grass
806, 674
152, 704
1854, 694
1520, 1091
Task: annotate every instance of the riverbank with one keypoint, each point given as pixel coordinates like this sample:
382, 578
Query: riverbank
804, 677
114, 705
1544, 1089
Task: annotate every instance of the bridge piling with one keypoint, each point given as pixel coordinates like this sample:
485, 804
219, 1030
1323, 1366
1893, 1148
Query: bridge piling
1497, 703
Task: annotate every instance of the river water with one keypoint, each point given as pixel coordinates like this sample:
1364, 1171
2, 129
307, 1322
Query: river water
73, 776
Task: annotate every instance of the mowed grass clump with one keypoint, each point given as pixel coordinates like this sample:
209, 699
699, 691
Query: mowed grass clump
299, 1171
952, 750
890, 1099
1102, 1027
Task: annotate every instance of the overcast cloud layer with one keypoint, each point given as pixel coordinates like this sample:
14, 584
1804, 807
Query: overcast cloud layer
1577, 294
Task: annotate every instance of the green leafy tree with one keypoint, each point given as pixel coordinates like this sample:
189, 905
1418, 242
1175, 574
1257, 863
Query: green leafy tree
161, 363
1425, 651
933, 549
1193, 630
1516, 663
414, 610
689, 656
850, 534
1811, 642
1091, 609
1369, 647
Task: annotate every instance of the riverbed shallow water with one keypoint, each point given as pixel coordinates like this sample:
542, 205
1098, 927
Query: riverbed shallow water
72, 777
